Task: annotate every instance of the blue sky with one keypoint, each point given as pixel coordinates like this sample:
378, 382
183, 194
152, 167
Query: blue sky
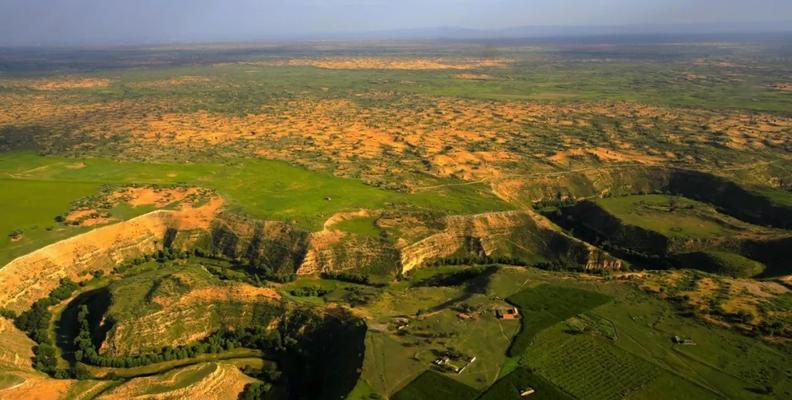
96, 21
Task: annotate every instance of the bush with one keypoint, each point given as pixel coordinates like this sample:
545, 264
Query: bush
9, 314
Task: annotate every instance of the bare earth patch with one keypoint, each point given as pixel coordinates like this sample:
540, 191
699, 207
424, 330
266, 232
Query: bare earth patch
398, 63
474, 77
72, 84
154, 196
787, 87
176, 81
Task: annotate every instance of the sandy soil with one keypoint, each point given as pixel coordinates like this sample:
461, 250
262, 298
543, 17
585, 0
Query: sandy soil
400, 63
72, 84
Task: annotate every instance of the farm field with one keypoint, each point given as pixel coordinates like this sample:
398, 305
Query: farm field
431, 384
544, 306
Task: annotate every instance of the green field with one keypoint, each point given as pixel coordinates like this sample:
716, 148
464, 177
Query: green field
546, 305
672, 216
30, 207
431, 386
636, 358
364, 226
724, 263
512, 385
35, 189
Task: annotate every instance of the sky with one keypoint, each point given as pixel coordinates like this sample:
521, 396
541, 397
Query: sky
41, 22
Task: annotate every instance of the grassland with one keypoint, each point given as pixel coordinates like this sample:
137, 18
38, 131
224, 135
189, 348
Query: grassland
396, 356
671, 216
364, 226
261, 188
30, 208
641, 357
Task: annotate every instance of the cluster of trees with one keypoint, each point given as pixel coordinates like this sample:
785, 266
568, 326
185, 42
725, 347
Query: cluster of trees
258, 390
345, 276
308, 291
280, 277
356, 296
9, 314
457, 277
483, 260
161, 256
35, 323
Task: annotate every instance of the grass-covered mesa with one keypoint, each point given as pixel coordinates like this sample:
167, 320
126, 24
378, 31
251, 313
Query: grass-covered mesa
365, 221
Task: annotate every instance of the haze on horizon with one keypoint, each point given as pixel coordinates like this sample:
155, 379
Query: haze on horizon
53, 22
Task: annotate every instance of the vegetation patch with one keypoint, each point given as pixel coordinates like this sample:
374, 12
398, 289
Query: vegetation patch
590, 367
723, 263
546, 305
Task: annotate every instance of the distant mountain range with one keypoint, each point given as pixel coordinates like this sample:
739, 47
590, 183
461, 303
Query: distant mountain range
565, 31
443, 33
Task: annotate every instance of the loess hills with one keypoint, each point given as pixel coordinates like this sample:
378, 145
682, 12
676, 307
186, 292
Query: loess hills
396, 221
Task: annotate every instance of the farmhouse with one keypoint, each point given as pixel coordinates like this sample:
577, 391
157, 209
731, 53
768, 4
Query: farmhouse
509, 313
683, 341
445, 363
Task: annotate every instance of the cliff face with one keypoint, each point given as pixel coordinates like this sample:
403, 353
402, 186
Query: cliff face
511, 235
32, 276
283, 249
730, 197
591, 182
182, 318
595, 224
275, 245
332, 252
